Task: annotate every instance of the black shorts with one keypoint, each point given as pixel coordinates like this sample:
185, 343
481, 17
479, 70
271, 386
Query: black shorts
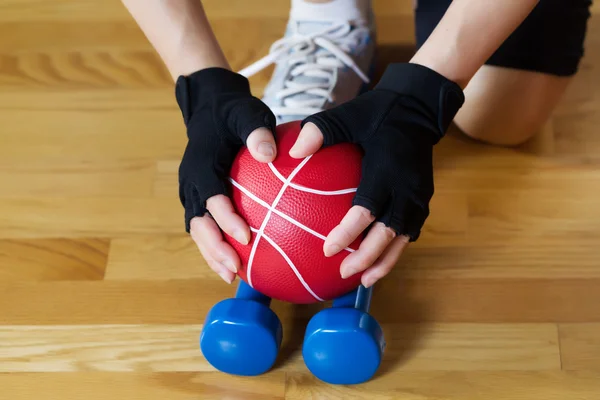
550, 40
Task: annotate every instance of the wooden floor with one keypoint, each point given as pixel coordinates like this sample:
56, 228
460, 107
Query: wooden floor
102, 295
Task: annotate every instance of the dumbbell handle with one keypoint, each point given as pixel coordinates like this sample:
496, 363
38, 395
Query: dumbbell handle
245, 291
359, 298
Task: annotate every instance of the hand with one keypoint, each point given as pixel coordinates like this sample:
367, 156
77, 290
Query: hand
221, 116
396, 124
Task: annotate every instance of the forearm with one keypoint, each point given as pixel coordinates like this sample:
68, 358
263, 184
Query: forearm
180, 33
468, 34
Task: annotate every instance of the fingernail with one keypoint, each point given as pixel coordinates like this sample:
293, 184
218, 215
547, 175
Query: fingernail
368, 283
266, 149
225, 276
229, 265
346, 272
294, 150
332, 249
240, 237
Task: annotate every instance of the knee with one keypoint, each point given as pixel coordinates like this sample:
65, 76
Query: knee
508, 131
507, 107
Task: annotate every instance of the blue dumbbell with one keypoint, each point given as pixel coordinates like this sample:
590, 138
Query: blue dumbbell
242, 336
344, 344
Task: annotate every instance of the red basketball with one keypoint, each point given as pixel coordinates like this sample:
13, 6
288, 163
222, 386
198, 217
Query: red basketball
291, 205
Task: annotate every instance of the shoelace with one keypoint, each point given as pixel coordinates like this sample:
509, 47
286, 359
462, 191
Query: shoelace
299, 52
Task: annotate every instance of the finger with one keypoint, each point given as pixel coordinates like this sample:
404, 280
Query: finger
386, 261
217, 267
261, 145
356, 220
221, 209
309, 141
372, 246
209, 239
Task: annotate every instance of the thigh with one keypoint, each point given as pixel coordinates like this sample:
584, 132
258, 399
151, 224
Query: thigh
514, 93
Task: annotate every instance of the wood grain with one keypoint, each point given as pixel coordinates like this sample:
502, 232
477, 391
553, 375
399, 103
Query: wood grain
188, 301
53, 259
88, 100
88, 216
580, 346
103, 294
142, 386
89, 135
486, 300
471, 347
83, 69
157, 257
454, 386
538, 258
77, 179
174, 348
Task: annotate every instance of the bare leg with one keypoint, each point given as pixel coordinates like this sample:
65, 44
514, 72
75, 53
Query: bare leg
507, 106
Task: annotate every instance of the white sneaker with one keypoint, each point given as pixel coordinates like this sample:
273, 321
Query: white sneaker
324, 59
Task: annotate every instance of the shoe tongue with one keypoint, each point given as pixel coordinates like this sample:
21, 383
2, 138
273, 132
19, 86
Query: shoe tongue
308, 27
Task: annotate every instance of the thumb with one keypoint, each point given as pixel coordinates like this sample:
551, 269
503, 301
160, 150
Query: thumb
309, 141
261, 145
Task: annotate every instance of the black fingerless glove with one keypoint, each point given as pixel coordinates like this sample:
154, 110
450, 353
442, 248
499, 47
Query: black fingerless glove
396, 124
220, 113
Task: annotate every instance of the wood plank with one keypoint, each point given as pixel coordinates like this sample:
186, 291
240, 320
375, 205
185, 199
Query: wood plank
117, 348
541, 258
510, 216
68, 59
83, 69
188, 301
157, 99
60, 10
110, 302
572, 138
455, 347
156, 257
533, 385
580, 346
457, 152
550, 180
20, 36
174, 348
27, 217
166, 183
91, 135
147, 386
88, 217
53, 259
122, 178
486, 300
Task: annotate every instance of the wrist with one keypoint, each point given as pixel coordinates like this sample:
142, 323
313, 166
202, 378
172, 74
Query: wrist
187, 63
445, 67
193, 53
441, 97
194, 89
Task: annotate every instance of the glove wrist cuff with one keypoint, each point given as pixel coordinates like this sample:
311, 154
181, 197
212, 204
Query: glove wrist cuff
442, 97
200, 86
